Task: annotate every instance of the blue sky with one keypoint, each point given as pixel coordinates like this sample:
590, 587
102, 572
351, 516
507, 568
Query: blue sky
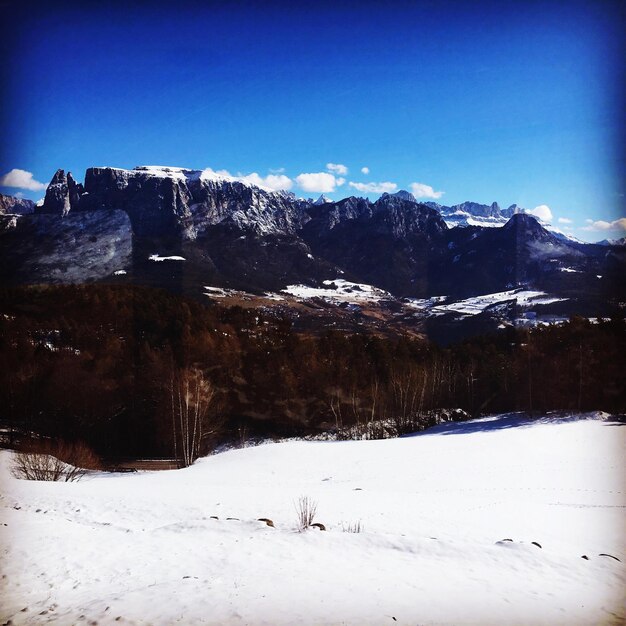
515, 102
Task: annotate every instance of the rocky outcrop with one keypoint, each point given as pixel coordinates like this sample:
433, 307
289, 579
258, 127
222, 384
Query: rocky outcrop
242, 206
62, 195
511, 211
397, 216
10, 205
156, 205
185, 203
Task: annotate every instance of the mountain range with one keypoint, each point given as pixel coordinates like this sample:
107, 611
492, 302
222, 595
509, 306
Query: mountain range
189, 230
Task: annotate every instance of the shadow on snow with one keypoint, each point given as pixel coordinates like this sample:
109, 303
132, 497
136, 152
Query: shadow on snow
516, 420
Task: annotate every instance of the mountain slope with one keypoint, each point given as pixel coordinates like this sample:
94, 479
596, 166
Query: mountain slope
388, 243
15, 206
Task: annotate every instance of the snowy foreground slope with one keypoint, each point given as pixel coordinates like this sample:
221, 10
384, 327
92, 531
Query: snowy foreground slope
144, 549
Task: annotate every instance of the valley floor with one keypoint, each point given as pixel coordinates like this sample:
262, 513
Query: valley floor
448, 521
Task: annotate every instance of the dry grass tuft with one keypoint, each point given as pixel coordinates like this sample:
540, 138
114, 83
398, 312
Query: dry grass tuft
352, 527
305, 510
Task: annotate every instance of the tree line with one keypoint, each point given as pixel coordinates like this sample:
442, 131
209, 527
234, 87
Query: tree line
136, 371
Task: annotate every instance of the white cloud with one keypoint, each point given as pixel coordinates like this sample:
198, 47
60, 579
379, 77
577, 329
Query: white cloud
318, 182
542, 211
618, 224
271, 182
420, 190
278, 170
210, 174
21, 179
564, 220
365, 170
337, 168
374, 187
275, 182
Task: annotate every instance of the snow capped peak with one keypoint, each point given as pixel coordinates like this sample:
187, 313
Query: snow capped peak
612, 242
207, 174
217, 175
183, 173
323, 199
162, 171
492, 215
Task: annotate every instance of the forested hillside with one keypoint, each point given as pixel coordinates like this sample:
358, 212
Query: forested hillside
96, 363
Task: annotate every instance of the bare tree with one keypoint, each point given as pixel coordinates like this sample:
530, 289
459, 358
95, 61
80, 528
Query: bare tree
194, 415
405, 397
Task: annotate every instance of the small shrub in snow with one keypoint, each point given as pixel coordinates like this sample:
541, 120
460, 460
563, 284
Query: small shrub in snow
54, 461
305, 510
352, 527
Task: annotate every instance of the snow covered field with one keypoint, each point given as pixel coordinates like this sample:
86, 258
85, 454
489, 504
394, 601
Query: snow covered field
339, 290
436, 510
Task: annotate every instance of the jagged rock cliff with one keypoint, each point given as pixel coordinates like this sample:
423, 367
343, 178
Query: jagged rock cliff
162, 201
62, 195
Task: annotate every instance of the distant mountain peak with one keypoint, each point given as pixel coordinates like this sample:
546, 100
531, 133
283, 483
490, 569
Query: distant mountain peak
612, 242
13, 205
403, 195
528, 223
323, 199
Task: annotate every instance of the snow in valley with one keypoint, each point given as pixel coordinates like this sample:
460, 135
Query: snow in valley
448, 519
343, 291
477, 304
340, 290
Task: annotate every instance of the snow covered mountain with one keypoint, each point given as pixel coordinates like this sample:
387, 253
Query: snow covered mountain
475, 214
323, 199
174, 201
209, 228
487, 216
613, 242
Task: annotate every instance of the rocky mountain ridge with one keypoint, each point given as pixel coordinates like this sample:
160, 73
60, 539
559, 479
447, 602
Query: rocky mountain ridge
173, 201
186, 229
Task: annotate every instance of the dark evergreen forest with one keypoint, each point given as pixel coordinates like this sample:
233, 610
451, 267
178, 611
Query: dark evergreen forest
95, 363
